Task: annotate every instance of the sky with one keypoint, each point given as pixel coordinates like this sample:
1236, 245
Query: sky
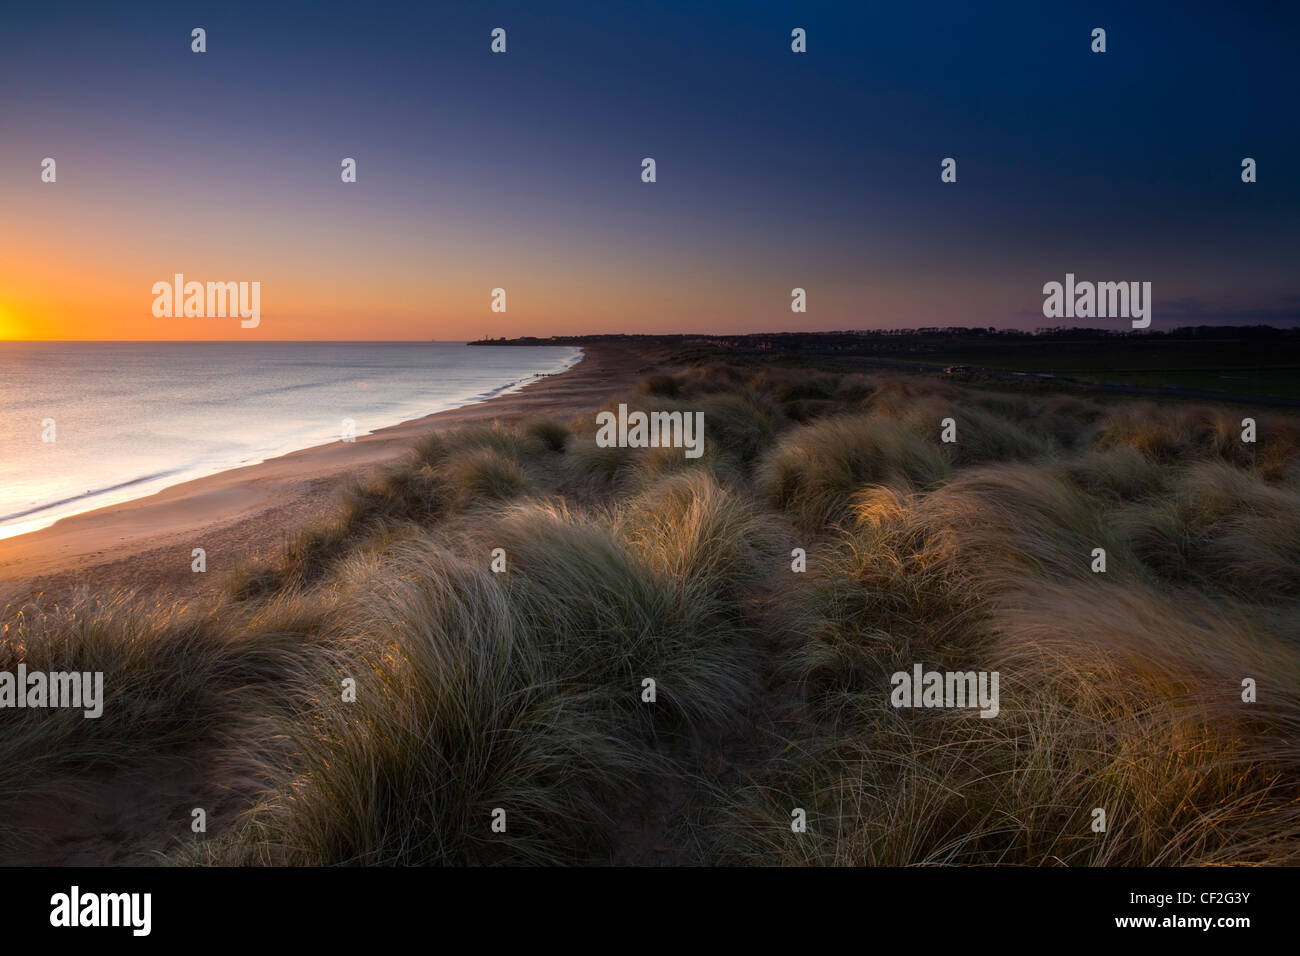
522, 170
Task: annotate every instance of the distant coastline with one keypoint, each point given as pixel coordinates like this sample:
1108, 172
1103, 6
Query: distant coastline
1257, 364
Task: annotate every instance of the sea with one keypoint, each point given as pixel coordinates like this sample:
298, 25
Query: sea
89, 424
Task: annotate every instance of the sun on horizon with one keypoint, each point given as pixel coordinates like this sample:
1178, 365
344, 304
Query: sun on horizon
9, 329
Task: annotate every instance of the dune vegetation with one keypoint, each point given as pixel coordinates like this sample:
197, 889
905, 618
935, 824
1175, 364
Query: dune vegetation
454, 668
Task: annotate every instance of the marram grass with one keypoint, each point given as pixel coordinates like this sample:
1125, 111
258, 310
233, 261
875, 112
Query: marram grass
472, 633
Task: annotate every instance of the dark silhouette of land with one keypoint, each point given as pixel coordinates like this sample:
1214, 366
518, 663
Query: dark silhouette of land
1255, 364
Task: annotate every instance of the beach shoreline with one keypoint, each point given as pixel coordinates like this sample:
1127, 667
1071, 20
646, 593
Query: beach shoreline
247, 513
172, 461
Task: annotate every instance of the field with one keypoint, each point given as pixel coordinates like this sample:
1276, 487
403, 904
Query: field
452, 669
1273, 382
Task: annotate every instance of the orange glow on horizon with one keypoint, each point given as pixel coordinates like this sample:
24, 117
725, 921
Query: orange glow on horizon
9, 327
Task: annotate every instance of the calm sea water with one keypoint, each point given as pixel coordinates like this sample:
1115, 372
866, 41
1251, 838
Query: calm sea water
133, 418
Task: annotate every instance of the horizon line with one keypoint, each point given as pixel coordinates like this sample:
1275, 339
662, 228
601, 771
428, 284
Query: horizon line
691, 334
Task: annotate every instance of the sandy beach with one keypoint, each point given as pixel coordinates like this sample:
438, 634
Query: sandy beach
246, 513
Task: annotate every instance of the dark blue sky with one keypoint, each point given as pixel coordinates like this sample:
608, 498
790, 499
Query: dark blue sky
774, 170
